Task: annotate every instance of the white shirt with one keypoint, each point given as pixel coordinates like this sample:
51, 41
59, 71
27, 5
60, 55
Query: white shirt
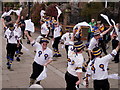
7, 13
18, 29
41, 57
57, 31
118, 36
93, 43
100, 73
75, 63
48, 23
42, 13
12, 36
44, 29
66, 38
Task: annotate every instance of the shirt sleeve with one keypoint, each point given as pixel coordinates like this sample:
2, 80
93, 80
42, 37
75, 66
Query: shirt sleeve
51, 55
88, 71
79, 64
101, 35
109, 56
3, 15
91, 45
63, 37
35, 44
70, 49
46, 28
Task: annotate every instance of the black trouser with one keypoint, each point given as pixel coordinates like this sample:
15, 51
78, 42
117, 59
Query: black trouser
19, 48
114, 45
66, 48
11, 48
70, 81
52, 32
101, 84
116, 58
29, 33
103, 46
37, 69
89, 36
56, 42
23, 29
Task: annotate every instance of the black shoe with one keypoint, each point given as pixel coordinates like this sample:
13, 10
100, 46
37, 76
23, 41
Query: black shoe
16, 55
113, 60
18, 59
21, 53
38, 82
59, 55
116, 61
9, 68
7, 63
55, 55
34, 51
28, 42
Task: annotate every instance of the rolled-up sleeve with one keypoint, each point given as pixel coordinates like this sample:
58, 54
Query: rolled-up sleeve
35, 44
79, 64
109, 56
51, 55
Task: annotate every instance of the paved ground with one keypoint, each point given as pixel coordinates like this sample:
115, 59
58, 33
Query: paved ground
20, 77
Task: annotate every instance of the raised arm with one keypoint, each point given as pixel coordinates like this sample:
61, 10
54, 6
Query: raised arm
79, 75
118, 47
29, 37
18, 19
103, 33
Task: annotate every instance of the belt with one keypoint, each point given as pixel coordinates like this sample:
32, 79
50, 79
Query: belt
101, 79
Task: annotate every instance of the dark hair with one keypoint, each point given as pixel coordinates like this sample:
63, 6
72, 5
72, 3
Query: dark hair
10, 25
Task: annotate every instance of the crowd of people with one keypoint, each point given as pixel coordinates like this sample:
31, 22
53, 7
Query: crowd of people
98, 39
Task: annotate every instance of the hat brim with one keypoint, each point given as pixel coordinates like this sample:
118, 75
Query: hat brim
44, 41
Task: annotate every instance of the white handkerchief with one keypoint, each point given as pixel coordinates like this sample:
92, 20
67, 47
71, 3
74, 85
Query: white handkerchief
43, 75
29, 26
113, 76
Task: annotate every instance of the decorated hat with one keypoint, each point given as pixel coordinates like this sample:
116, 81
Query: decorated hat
97, 51
55, 23
42, 20
78, 45
96, 33
44, 40
67, 28
98, 22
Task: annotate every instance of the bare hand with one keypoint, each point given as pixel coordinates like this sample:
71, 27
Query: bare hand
45, 64
53, 39
78, 82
